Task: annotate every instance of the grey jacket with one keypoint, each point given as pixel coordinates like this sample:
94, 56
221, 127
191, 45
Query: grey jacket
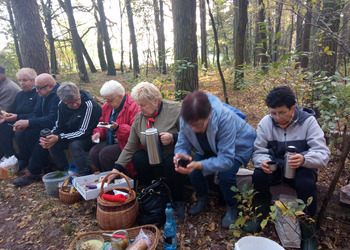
304, 133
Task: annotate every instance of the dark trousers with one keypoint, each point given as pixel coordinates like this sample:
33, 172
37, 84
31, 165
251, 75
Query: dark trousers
104, 156
6, 141
147, 173
77, 149
227, 179
304, 184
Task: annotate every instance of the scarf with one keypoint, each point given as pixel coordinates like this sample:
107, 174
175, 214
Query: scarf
150, 120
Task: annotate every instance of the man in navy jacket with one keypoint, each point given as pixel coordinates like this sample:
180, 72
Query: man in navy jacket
44, 116
78, 115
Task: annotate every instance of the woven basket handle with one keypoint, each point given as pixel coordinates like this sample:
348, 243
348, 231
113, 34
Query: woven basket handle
61, 188
106, 178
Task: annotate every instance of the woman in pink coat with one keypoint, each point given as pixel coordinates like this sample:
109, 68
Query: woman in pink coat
119, 112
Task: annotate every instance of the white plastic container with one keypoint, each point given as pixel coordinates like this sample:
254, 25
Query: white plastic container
254, 242
51, 182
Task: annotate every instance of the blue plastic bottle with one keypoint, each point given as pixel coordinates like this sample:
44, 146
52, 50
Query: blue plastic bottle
170, 227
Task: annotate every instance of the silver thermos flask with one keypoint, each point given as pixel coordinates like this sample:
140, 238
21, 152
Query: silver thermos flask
289, 172
154, 150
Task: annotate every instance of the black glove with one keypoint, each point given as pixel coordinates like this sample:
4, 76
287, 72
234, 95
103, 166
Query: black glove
120, 168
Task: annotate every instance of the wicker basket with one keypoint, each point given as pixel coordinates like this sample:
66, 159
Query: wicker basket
151, 230
116, 215
66, 196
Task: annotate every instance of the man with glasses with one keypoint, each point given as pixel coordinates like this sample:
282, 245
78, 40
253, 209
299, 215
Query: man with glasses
44, 116
288, 125
78, 115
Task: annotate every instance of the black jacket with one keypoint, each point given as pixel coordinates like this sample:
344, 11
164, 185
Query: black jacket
45, 111
25, 103
78, 123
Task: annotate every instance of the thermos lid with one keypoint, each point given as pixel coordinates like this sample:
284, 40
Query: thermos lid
151, 131
291, 149
45, 132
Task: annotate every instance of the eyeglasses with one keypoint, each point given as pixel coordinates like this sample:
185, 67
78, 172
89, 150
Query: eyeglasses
41, 88
110, 101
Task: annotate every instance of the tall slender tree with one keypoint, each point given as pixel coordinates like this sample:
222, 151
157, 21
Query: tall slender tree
67, 6
262, 35
135, 56
100, 49
31, 35
204, 47
159, 22
108, 49
185, 46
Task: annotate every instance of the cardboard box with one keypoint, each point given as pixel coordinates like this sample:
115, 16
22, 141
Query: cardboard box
80, 182
8, 172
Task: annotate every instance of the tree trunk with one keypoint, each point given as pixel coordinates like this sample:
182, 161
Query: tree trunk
299, 30
31, 35
14, 34
87, 57
263, 37
203, 15
304, 59
325, 56
159, 22
121, 37
291, 32
257, 39
240, 42
100, 50
47, 8
218, 53
108, 49
67, 6
277, 31
185, 46
135, 56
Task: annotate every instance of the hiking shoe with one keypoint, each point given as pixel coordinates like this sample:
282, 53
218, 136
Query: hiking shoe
230, 216
202, 202
26, 180
179, 207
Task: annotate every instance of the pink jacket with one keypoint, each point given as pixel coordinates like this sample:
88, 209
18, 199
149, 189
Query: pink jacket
125, 119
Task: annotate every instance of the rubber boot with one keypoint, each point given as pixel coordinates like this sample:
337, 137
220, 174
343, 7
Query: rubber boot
263, 207
230, 216
308, 234
202, 201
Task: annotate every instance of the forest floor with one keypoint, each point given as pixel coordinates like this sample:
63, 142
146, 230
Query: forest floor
29, 219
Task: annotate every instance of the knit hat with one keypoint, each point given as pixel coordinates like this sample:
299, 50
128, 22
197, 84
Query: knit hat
2, 69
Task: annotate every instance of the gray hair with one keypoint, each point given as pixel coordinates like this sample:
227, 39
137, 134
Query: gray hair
29, 72
68, 91
145, 91
112, 88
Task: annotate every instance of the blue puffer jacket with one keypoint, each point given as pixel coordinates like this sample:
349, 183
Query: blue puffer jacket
229, 136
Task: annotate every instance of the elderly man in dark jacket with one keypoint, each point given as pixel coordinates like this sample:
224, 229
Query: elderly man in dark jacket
78, 115
44, 116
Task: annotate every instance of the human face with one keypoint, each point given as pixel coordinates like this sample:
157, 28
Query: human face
26, 83
113, 100
75, 104
199, 126
282, 115
43, 88
147, 108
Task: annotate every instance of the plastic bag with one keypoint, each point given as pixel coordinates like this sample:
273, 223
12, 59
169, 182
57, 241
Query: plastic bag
288, 229
8, 167
142, 242
6, 162
345, 194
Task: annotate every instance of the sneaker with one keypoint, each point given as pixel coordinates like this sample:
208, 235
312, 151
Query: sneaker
26, 180
202, 202
179, 207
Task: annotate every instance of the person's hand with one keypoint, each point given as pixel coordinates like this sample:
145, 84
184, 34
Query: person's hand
296, 160
49, 141
95, 136
10, 117
112, 176
166, 138
265, 167
114, 125
2, 119
191, 166
21, 125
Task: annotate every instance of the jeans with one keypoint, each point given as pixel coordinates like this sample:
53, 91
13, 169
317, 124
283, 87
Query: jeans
104, 156
77, 149
147, 173
304, 184
227, 179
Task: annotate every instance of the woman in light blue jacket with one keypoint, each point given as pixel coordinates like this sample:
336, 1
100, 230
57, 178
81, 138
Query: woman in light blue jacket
223, 142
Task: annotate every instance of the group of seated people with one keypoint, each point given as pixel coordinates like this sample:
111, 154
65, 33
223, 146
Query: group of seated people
212, 136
